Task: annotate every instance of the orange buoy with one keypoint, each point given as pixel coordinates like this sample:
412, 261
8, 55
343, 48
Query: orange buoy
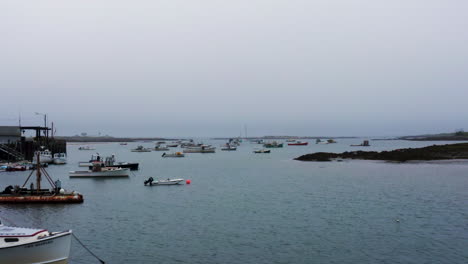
187, 181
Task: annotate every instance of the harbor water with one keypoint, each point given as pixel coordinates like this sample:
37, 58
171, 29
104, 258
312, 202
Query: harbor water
243, 207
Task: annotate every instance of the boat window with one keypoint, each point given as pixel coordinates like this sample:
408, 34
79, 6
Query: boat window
11, 239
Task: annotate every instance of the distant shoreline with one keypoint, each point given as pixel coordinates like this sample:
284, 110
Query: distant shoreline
108, 139
430, 153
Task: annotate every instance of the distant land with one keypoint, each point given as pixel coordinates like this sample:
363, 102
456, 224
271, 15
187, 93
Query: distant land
283, 137
456, 136
107, 139
136, 139
436, 152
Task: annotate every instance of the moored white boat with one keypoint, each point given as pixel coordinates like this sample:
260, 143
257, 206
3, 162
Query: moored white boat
141, 149
86, 148
45, 156
228, 147
200, 149
60, 158
27, 245
160, 148
173, 155
99, 171
151, 182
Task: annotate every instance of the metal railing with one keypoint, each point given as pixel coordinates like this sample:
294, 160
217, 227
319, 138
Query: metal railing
11, 152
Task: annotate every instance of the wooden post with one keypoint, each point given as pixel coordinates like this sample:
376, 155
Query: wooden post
38, 172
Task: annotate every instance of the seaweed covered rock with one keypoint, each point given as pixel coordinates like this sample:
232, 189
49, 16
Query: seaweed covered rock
435, 152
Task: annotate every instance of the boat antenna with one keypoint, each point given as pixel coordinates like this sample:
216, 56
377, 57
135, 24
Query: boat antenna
94, 255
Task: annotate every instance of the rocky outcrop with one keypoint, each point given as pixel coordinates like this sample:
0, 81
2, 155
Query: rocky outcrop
435, 152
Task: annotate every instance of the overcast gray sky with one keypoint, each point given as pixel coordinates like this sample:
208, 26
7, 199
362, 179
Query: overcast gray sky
209, 68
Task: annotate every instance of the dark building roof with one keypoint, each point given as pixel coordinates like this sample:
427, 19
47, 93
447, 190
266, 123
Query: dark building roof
10, 131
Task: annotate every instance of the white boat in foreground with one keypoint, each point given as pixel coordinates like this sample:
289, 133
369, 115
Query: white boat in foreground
99, 171
151, 182
21, 245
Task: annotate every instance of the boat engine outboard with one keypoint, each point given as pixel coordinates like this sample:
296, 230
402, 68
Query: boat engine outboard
149, 181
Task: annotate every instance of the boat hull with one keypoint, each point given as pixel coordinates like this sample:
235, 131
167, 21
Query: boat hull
199, 150
60, 161
298, 144
54, 249
106, 173
74, 198
173, 156
167, 182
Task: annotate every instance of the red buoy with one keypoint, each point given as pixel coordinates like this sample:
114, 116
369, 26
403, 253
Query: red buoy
187, 181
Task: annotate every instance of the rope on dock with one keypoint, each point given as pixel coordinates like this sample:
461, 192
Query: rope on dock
102, 261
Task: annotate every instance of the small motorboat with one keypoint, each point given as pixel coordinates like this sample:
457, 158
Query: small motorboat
160, 148
15, 167
60, 158
141, 149
200, 149
172, 145
228, 147
365, 143
123, 143
29, 245
273, 144
152, 182
262, 151
173, 155
99, 171
298, 143
86, 148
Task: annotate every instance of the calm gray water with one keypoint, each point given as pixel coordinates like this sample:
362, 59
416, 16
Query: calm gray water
252, 208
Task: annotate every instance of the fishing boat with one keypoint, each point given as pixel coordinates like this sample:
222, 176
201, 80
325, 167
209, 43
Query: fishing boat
228, 147
173, 155
329, 141
152, 182
36, 194
141, 149
99, 171
108, 162
94, 158
29, 245
86, 148
298, 143
60, 158
273, 144
262, 151
160, 148
45, 156
200, 149
365, 143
